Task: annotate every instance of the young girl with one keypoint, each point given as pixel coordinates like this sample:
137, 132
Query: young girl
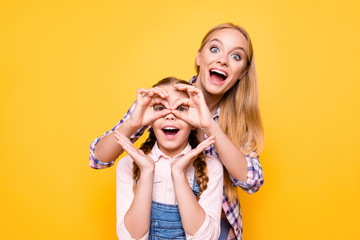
167, 190
228, 108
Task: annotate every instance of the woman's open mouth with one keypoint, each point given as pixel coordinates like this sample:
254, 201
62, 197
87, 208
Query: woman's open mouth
217, 76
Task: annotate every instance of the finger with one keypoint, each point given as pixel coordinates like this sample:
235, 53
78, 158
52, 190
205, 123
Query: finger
142, 91
200, 147
181, 115
160, 101
141, 152
153, 92
117, 134
181, 101
204, 144
160, 91
163, 91
124, 142
194, 90
181, 86
197, 98
161, 114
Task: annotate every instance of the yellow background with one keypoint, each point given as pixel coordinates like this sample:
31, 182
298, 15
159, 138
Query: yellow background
69, 70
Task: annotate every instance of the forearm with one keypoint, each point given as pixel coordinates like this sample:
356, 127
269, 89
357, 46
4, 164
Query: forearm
192, 214
231, 156
107, 149
137, 218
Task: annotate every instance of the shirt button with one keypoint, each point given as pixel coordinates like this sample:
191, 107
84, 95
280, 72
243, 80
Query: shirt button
169, 189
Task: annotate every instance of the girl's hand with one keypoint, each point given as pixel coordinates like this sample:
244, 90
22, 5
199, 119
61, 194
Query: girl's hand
197, 114
180, 165
144, 162
143, 113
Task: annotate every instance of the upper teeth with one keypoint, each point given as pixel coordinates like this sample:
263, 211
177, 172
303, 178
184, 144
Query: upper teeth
169, 128
219, 72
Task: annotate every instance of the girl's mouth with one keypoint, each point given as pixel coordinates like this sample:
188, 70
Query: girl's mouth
170, 132
217, 76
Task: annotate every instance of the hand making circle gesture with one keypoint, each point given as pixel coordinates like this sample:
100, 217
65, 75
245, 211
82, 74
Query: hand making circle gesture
198, 114
143, 113
144, 162
181, 164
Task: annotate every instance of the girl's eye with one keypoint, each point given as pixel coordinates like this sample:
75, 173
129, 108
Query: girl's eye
214, 50
237, 57
182, 108
159, 107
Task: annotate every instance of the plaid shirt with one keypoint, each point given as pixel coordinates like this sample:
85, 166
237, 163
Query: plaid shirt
231, 208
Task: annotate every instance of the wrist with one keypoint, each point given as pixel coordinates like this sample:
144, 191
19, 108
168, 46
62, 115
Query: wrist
211, 129
129, 127
177, 173
147, 173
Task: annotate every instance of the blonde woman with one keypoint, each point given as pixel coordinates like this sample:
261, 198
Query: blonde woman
224, 96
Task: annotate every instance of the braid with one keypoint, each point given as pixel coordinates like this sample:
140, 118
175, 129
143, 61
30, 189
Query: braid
199, 164
146, 148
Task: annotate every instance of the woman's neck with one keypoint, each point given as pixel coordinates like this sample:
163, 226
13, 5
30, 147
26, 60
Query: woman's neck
211, 100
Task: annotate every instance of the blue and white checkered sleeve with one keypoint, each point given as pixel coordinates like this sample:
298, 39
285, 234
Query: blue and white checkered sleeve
255, 176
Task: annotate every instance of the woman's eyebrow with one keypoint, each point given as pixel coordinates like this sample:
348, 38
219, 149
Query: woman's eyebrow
216, 40
219, 41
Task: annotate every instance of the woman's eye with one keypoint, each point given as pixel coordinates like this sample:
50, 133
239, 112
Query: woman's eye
214, 49
237, 57
158, 107
182, 108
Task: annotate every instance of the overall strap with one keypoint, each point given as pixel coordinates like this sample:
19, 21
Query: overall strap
195, 187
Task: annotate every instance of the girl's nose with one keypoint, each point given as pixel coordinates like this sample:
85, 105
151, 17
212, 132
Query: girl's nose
170, 116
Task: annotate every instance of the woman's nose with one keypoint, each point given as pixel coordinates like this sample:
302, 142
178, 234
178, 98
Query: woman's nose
222, 59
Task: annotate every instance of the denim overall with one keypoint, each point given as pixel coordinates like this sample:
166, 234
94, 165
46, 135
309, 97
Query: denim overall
165, 221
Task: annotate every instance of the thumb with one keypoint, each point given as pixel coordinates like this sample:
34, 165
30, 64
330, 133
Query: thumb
179, 114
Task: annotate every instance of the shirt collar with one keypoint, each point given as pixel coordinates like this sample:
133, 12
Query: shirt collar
156, 153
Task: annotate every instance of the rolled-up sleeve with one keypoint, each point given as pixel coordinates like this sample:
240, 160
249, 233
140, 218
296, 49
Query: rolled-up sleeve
211, 202
255, 176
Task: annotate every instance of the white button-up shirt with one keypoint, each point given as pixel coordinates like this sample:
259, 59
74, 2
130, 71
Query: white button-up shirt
163, 191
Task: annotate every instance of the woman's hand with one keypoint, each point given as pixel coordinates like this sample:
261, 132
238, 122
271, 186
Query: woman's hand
143, 113
198, 114
179, 166
144, 162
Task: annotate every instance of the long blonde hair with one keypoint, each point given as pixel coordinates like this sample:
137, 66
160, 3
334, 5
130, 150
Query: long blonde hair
239, 108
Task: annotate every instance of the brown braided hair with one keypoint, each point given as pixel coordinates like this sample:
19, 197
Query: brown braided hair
199, 163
